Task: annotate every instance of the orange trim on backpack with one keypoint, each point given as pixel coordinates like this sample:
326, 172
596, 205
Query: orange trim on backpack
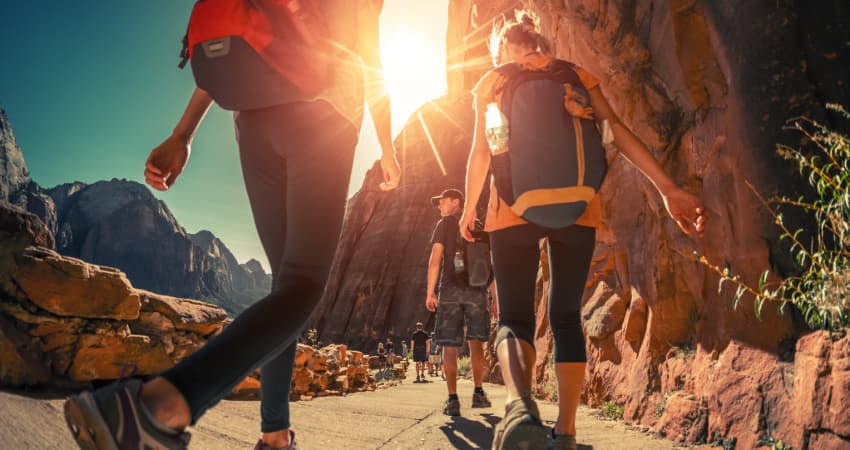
543, 197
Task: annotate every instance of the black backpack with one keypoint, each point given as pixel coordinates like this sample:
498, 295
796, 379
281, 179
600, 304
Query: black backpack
554, 161
477, 267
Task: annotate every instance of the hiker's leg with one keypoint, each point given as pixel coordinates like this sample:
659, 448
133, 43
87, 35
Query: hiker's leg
477, 320
317, 145
449, 331
274, 414
570, 252
516, 256
476, 360
450, 368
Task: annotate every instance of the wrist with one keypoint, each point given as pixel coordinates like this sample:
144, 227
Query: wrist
183, 136
666, 187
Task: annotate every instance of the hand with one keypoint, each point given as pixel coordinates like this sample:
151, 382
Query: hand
431, 302
686, 209
166, 162
392, 171
467, 223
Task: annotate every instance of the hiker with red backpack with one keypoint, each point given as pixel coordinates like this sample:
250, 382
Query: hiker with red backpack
538, 128
296, 73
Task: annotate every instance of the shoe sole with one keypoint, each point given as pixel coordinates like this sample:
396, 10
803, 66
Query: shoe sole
481, 405
84, 421
526, 434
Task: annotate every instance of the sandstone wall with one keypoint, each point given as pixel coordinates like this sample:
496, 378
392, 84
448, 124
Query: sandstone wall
708, 86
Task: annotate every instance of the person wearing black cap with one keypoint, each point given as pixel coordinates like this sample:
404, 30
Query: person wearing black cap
459, 303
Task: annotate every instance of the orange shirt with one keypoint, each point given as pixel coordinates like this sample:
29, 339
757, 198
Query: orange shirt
499, 214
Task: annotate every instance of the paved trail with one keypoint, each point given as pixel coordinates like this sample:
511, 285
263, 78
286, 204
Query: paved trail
408, 416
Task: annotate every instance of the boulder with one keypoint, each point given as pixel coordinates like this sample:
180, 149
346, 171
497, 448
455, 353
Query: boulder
69, 287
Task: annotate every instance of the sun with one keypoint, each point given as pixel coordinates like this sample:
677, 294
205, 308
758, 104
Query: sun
414, 70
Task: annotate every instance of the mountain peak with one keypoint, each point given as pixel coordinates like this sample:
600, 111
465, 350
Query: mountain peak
13, 168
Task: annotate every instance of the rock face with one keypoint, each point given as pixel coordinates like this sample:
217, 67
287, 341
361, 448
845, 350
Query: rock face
707, 85
65, 322
119, 223
13, 169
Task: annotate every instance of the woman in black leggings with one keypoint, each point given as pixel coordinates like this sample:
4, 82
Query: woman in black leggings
515, 245
296, 160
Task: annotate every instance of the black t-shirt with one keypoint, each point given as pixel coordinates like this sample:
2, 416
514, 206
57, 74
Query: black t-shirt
389, 347
447, 233
420, 339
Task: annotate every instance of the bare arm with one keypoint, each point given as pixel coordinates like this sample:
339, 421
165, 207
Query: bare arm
476, 170
376, 89
194, 113
685, 208
167, 161
434, 264
633, 149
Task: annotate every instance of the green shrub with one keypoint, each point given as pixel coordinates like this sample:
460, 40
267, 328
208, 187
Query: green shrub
612, 411
821, 291
464, 367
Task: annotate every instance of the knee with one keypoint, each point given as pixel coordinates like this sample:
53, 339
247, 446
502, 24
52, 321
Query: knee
520, 331
568, 338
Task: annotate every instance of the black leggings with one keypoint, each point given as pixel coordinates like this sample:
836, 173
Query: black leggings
516, 257
296, 160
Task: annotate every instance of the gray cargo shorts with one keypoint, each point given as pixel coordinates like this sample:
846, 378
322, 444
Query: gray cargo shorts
459, 305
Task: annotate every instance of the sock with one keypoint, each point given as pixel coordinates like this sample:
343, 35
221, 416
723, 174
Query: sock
479, 390
453, 397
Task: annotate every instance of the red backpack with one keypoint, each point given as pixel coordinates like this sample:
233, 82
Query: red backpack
250, 54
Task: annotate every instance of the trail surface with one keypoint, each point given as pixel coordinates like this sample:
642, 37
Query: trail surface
408, 416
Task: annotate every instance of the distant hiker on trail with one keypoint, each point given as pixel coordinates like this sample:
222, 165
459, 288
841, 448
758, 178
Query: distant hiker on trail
459, 303
390, 352
435, 357
419, 344
538, 109
382, 355
404, 349
297, 132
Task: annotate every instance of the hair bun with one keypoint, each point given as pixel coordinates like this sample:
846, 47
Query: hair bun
527, 21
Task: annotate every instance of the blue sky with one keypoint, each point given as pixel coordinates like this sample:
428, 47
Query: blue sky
91, 86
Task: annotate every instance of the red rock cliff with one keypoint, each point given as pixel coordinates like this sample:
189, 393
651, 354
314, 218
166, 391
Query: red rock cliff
708, 86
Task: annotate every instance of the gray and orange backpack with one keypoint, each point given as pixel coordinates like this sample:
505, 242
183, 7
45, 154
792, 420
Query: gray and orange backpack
551, 162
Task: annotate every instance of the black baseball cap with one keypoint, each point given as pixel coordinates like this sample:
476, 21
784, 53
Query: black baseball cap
448, 193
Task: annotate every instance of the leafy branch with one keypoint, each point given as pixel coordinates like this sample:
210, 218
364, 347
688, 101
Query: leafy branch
821, 290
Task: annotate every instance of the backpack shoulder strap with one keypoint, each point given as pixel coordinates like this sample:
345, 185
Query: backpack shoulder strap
564, 72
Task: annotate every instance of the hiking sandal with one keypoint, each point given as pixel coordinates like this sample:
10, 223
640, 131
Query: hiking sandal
110, 418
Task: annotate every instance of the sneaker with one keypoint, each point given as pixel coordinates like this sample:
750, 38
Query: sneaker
111, 418
561, 442
418, 380
292, 444
521, 427
452, 407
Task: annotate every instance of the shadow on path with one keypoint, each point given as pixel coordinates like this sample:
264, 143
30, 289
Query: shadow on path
461, 431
